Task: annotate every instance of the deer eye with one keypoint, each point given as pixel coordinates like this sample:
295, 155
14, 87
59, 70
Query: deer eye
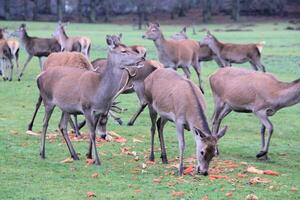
202, 153
123, 51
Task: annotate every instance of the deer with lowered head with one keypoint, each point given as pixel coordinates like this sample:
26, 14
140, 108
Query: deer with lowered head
92, 96
34, 46
174, 54
163, 87
229, 53
14, 47
80, 43
241, 90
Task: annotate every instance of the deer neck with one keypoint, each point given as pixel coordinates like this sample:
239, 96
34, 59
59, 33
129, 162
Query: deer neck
216, 47
290, 95
62, 38
24, 38
159, 43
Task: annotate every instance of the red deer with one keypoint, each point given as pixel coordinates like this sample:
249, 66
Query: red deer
235, 53
174, 54
177, 99
241, 90
80, 44
92, 95
34, 46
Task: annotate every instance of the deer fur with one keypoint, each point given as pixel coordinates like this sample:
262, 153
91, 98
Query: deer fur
235, 53
241, 90
34, 46
80, 44
181, 35
177, 99
92, 95
174, 54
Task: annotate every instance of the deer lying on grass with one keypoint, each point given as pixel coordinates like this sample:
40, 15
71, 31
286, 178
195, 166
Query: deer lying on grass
174, 54
92, 95
181, 35
80, 44
34, 46
240, 90
68, 59
235, 53
178, 100
14, 47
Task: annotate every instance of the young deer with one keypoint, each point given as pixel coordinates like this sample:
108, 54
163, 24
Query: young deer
235, 53
240, 90
14, 47
34, 46
92, 95
174, 54
80, 44
163, 87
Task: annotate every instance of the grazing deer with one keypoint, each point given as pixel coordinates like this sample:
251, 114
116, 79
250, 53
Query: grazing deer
174, 54
14, 47
34, 46
177, 99
241, 90
80, 44
235, 53
181, 35
92, 95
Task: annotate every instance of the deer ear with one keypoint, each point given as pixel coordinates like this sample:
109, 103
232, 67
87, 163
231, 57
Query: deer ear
184, 29
221, 133
208, 32
157, 24
200, 133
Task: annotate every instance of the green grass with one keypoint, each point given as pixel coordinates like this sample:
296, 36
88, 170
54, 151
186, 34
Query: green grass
23, 175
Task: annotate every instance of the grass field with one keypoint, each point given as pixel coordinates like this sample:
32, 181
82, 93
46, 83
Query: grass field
23, 175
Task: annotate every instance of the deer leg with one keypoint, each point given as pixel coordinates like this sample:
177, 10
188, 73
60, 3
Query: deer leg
48, 112
262, 115
161, 122
197, 67
219, 106
92, 123
262, 133
101, 125
186, 72
153, 117
223, 113
11, 66
41, 63
136, 114
76, 126
217, 60
37, 106
181, 145
254, 65
63, 129
258, 63
25, 65
16, 56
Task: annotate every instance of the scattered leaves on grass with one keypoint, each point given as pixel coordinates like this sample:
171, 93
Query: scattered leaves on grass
67, 160
32, 133
271, 173
229, 194
95, 175
90, 194
240, 175
89, 161
171, 184
251, 197
177, 194
253, 170
256, 180
293, 189
136, 140
156, 180
189, 170
213, 177
149, 162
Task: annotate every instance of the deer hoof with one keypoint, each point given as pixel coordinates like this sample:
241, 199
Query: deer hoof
164, 159
151, 158
261, 153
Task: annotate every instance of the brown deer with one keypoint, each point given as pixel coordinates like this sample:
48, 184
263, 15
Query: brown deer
80, 44
14, 47
241, 90
5, 59
177, 99
92, 95
229, 53
174, 54
34, 46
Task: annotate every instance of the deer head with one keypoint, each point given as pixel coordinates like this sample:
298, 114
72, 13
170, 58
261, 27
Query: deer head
153, 32
206, 148
209, 39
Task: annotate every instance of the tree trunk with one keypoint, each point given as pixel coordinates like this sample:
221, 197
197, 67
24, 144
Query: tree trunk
93, 15
236, 10
7, 9
206, 11
35, 10
59, 6
48, 6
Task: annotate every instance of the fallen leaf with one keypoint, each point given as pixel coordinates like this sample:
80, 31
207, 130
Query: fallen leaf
32, 133
67, 160
171, 184
293, 189
256, 180
228, 194
176, 194
136, 158
136, 140
120, 140
144, 166
188, 170
253, 170
89, 161
214, 177
156, 180
149, 162
204, 198
90, 194
240, 175
251, 197
137, 191
271, 173
95, 175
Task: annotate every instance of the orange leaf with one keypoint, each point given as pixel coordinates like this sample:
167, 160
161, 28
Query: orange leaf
176, 194
89, 161
90, 194
204, 198
271, 173
156, 180
214, 177
256, 180
120, 140
95, 175
240, 175
188, 170
253, 170
228, 194
293, 189
138, 191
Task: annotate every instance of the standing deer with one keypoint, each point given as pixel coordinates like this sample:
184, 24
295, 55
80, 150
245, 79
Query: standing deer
92, 95
174, 54
14, 47
177, 99
34, 46
241, 90
80, 44
235, 53
5, 59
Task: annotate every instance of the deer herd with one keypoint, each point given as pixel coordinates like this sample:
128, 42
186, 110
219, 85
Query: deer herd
78, 86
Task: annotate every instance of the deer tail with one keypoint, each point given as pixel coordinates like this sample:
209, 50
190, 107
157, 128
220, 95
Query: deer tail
260, 46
